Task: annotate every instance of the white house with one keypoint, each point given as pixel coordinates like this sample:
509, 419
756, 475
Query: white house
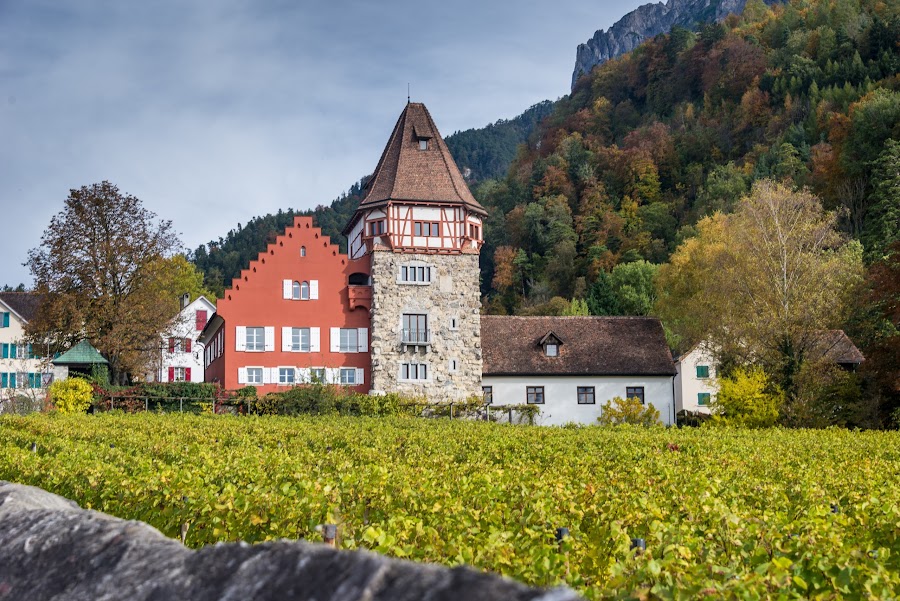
571, 366
181, 357
695, 380
24, 370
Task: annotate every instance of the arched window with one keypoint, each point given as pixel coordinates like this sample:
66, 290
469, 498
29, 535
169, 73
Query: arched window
304, 291
295, 291
302, 251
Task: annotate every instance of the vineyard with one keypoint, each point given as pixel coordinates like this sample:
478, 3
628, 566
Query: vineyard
744, 514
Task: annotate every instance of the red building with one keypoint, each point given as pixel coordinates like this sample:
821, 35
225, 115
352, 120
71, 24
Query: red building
297, 314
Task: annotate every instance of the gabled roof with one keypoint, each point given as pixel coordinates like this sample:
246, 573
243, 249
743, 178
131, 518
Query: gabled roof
407, 173
82, 353
836, 346
594, 346
24, 304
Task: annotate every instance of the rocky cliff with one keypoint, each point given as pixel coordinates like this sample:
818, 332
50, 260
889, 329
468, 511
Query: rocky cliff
645, 22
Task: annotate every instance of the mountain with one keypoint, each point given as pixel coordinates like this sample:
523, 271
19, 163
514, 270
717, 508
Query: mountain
645, 22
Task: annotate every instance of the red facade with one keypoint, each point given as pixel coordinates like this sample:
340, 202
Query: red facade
301, 306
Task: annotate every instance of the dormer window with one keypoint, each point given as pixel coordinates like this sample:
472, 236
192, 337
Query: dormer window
423, 144
550, 343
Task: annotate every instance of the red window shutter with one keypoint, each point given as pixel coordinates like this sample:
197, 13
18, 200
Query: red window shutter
171, 374
187, 345
187, 374
171, 345
201, 320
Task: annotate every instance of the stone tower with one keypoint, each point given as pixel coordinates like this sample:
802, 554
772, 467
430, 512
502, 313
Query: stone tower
421, 229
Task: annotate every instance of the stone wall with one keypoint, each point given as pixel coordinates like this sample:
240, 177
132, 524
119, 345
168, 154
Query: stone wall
453, 293
52, 549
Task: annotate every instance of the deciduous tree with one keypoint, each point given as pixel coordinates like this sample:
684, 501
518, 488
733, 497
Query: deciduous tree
98, 269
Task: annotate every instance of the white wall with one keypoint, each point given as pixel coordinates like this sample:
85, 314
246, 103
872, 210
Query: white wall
15, 334
184, 326
561, 395
688, 386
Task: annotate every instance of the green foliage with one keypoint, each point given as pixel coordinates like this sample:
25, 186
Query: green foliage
748, 399
725, 513
883, 223
72, 395
619, 411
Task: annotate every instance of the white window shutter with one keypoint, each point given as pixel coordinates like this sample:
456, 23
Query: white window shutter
287, 288
242, 375
270, 338
363, 338
313, 289
286, 336
267, 375
315, 345
360, 375
332, 375
335, 340
240, 340
302, 375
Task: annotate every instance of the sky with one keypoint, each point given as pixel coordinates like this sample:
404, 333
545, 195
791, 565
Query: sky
214, 112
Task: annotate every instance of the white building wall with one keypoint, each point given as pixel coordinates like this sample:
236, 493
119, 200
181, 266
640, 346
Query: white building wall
561, 395
15, 334
688, 386
185, 326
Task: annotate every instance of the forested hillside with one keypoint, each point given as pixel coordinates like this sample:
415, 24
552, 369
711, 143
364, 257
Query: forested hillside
481, 153
680, 128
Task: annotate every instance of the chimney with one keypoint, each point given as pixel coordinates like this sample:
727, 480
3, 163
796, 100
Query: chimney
185, 300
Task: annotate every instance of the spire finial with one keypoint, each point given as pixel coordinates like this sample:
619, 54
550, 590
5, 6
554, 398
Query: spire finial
407, 93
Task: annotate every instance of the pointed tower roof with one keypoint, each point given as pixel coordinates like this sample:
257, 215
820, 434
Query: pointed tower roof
407, 173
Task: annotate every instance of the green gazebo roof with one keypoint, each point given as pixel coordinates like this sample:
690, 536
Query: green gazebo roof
82, 353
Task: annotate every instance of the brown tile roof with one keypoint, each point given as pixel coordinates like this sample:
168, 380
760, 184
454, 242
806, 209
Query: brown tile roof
596, 346
407, 173
836, 346
24, 303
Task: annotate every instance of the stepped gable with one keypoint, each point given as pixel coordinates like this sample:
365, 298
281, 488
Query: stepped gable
589, 346
407, 173
300, 222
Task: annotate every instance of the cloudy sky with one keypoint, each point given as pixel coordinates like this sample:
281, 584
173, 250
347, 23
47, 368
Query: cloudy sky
214, 112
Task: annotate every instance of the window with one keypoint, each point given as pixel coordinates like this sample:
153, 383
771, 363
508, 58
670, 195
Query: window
317, 375
300, 291
302, 251
415, 329
535, 395
586, 395
551, 349
300, 340
703, 371
427, 228
376, 228
635, 392
413, 371
256, 340
349, 340
423, 144
254, 374
474, 231
703, 398
4, 319
178, 374
286, 376
487, 393
415, 274
348, 376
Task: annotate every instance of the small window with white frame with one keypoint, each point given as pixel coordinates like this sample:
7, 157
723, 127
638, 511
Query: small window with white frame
179, 374
349, 340
300, 340
302, 251
348, 376
256, 339
255, 375
413, 371
317, 375
286, 376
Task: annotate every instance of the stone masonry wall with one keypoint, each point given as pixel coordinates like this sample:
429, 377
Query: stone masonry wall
453, 293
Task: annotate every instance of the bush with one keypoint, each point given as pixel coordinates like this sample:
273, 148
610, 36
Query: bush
628, 411
72, 395
747, 399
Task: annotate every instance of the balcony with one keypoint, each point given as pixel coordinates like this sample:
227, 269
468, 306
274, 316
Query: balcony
360, 296
415, 337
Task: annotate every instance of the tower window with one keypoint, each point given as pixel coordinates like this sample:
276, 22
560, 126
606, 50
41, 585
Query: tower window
423, 144
427, 228
302, 251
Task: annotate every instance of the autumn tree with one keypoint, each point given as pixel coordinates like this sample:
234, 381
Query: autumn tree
99, 271
760, 283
